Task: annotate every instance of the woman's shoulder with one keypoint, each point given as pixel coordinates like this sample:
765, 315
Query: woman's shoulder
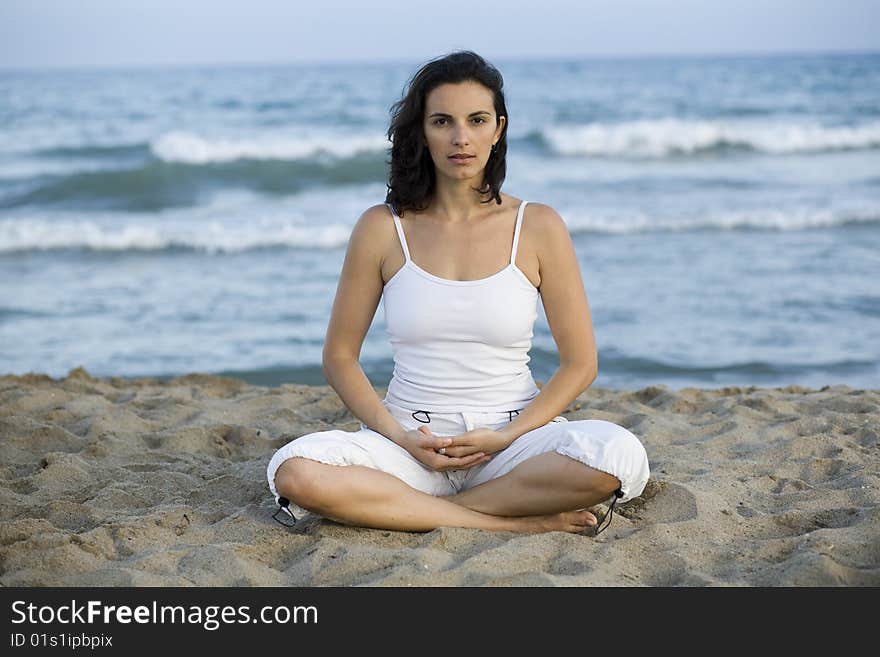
542, 222
541, 212
373, 232
378, 215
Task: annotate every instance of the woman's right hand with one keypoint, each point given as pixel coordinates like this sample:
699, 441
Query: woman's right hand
422, 444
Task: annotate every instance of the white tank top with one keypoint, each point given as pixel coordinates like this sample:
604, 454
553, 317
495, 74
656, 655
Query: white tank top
460, 345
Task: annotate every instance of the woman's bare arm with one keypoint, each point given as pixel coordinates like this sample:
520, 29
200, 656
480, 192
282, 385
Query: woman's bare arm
357, 298
568, 314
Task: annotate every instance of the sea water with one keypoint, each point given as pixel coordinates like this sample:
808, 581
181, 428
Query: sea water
725, 212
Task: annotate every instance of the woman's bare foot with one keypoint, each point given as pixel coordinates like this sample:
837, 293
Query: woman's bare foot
574, 522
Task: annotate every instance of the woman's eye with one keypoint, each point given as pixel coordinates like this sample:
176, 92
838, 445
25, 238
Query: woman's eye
478, 118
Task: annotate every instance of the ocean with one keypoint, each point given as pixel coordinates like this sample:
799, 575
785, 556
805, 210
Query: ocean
725, 211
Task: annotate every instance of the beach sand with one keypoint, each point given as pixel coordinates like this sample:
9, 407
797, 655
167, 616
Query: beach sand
114, 482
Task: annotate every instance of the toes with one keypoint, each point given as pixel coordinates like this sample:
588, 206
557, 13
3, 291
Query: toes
578, 521
588, 518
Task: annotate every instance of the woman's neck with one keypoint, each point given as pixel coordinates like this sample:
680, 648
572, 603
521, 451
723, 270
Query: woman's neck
457, 203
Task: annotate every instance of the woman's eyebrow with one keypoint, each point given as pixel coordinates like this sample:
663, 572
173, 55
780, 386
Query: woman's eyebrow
450, 115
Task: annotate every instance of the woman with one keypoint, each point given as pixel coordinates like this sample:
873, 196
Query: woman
463, 437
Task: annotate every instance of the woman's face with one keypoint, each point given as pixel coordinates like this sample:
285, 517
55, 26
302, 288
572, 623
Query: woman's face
460, 118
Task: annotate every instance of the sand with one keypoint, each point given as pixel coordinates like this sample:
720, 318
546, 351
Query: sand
114, 482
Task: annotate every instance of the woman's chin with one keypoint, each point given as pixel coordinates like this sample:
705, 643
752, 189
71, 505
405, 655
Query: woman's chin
463, 173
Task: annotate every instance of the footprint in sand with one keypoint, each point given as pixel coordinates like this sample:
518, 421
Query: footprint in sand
785, 485
797, 523
662, 502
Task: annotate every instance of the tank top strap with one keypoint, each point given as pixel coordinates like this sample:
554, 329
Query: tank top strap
400, 234
519, 216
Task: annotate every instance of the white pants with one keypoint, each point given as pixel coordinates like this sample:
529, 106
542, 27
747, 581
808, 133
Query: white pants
599, 444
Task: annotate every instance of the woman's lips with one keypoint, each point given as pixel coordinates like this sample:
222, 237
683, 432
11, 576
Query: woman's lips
461, 160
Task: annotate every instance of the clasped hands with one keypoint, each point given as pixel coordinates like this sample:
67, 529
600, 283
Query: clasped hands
454, 452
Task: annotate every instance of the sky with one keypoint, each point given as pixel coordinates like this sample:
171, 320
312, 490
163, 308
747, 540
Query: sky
162, 33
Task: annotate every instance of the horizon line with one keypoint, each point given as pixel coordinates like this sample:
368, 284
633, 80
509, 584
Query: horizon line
58, 68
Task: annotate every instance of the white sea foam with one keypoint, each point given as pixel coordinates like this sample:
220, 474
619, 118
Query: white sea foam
39, 234
664, 137
231, 234
193, 149
30, 168
622, 222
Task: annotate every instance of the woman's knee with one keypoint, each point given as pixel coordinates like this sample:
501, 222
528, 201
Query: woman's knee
610, 447
604, 482
298, 479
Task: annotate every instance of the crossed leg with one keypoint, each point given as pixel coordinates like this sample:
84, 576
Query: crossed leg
367, 497
546, 483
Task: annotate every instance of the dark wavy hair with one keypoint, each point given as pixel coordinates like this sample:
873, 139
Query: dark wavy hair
412, 177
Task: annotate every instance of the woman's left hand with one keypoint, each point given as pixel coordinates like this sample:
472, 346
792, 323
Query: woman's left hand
483, 440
